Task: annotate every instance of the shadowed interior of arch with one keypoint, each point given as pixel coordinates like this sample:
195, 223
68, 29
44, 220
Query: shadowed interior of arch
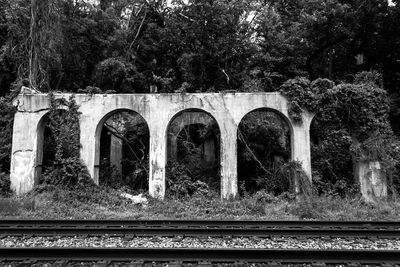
124, 151
263, 149
193, 154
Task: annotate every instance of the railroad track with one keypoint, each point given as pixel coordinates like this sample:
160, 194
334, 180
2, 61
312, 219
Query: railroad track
201, 255
179, 256
200, 228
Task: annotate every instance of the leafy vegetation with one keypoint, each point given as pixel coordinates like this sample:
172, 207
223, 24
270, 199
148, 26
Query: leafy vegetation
67, 169
194, 169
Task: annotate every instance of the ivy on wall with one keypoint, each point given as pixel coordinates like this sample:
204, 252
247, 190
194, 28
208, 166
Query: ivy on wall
68, 170
360, 108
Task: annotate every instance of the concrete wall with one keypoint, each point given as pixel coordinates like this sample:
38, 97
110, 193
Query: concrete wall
158, 110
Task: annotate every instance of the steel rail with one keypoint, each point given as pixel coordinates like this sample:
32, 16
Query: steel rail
200, 228
216, 223
184, 231
213, 255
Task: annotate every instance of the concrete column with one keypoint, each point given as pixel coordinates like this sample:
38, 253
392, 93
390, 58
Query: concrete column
116, 153
209, 150
373, 182
26, 151
229, 187
157, 157
301, 150
90, 145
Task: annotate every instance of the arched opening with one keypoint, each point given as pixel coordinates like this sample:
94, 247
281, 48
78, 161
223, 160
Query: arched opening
193, 154
331, 160
45, 149
122, 151
263, 151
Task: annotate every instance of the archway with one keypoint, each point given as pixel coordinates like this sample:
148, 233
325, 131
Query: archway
263, 150
122, 150
193, 153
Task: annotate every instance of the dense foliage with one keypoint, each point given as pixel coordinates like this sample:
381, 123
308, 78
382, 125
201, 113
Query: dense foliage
67, 169
6, 126
130, 46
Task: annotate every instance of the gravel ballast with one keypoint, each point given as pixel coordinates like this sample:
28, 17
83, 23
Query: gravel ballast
206, 242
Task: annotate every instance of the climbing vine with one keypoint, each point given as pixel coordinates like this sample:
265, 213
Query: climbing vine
7, 111
360, 108
67, 169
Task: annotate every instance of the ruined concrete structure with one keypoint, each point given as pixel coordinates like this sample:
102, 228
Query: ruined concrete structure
158, 110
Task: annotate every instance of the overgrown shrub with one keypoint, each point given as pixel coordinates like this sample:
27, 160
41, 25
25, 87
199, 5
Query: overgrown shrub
180, 182
332, 164
68, 170
276, 181
303, 94
352, 125
7, 111
109, 175
5, 184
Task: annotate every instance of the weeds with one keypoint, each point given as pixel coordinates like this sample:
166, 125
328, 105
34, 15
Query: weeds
94, 202
5, 184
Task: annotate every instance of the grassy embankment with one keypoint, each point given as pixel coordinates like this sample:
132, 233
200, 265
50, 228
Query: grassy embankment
105, 203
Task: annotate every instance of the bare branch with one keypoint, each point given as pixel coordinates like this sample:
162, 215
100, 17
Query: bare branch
117, 134
139, 29
241, 138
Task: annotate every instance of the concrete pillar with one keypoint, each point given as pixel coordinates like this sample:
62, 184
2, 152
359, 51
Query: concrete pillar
301, 146
373, 182
90, 145
209, 150
301, 150
229, 187
116, 153
26, 151
157, 158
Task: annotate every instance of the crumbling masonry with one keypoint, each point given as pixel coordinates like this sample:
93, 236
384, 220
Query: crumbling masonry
158, 110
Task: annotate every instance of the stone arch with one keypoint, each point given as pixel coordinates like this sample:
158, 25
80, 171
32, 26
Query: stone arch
211, 146
98, 132
274, 154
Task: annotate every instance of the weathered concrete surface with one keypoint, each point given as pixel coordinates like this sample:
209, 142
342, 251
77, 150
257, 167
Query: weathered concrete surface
373, 182
25, 161
158, 110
